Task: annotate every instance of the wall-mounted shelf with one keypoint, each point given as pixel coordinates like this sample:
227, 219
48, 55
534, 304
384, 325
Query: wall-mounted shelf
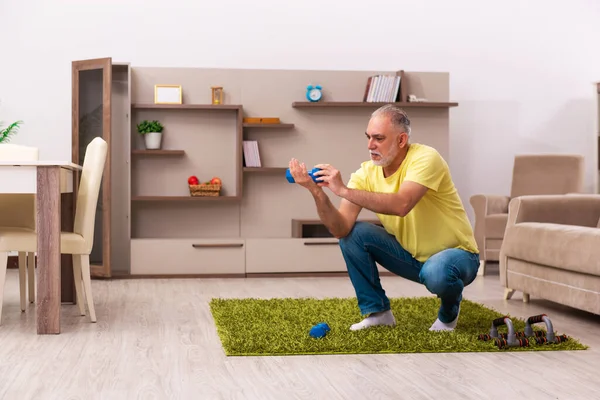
307, 104
187, 106
268, 125
265, 169
184, 198
159, 152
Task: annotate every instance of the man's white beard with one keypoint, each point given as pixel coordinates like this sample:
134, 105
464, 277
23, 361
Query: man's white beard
387, 160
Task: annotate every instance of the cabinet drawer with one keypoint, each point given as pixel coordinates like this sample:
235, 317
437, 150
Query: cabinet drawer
187, 256
293, 255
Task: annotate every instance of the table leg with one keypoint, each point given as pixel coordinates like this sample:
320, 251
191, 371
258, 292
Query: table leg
67, 283
48, 249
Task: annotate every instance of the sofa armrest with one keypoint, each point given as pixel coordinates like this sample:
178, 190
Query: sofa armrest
485, 205
579, 210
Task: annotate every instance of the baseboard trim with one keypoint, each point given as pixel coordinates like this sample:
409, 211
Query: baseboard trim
307, 274
175, 276
13, 263
250, 275
329, 274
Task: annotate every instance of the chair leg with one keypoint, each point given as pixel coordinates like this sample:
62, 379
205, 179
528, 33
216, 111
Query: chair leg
3, 266
481, 269
78, 282
23, 279
87, 283
31, 276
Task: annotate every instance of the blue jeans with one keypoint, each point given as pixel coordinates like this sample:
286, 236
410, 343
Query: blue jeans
444, 274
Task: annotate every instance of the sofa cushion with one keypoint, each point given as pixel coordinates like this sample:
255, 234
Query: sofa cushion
575, 248
495, 224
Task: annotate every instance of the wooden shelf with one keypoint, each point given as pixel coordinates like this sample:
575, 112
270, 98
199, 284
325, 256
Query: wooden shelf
308, 104
268, 125
264, 169
187, 106
159, 152
183, 198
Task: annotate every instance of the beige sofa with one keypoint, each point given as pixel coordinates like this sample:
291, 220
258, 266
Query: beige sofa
551, 250
532, 174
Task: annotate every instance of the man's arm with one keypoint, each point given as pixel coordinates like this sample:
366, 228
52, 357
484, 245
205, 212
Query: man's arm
400, 203
340, 221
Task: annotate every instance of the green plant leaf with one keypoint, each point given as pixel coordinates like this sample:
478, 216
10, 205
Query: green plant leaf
7, 133
149, 126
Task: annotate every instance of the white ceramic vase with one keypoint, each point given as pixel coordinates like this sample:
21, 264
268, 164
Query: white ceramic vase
153, 140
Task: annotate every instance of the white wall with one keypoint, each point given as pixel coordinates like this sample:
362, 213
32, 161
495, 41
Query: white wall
521, 71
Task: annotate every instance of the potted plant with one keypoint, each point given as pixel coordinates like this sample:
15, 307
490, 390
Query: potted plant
9, 131
152, 133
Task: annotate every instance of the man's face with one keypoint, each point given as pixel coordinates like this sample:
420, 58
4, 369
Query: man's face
384, 141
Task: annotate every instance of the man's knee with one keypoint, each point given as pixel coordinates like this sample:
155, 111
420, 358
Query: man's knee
439, 275
434, 277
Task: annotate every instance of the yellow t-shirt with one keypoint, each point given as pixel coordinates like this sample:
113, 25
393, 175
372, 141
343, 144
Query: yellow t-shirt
438, 221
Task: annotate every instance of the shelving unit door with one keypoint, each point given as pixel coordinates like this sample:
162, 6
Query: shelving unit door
91, 117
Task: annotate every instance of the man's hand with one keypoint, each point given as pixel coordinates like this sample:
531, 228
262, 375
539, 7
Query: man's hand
331, 178
300, 174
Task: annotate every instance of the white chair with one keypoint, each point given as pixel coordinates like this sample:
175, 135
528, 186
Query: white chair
18, 211
77, 243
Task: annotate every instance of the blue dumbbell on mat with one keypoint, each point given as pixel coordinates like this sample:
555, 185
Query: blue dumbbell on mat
319, 330
290, 178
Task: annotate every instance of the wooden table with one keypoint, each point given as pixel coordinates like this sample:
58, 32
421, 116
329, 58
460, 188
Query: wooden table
47, 180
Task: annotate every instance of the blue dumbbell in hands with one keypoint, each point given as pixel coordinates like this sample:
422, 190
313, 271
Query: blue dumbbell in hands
311, 173
320, 330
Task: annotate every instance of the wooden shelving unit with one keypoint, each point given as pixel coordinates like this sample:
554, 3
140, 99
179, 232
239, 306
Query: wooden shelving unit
307, 104
159, 152
151, 106
264, 169
184, 198
267, 126
234, 185
171, 233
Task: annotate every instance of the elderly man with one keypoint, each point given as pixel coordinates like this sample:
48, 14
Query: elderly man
426, 236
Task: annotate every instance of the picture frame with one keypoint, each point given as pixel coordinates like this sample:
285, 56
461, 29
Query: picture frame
168, 94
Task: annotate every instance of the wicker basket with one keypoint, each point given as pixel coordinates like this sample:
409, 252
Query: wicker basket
204, 190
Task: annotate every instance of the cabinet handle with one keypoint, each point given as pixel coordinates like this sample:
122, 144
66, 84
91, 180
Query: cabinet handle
319, 243
213, 245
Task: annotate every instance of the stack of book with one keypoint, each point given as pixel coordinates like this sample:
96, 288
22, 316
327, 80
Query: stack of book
382, 89
251, 154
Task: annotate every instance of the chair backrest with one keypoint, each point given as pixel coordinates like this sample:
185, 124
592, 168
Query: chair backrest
547, 174
17, 210
89, 190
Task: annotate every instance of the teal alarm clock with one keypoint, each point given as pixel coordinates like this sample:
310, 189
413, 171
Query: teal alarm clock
314, 93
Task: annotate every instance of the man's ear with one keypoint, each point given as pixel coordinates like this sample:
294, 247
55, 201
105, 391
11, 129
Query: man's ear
402, 140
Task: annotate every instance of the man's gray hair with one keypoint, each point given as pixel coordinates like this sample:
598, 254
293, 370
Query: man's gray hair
396, 115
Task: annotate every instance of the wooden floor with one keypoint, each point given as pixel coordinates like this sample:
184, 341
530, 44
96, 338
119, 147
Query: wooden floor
155, 339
